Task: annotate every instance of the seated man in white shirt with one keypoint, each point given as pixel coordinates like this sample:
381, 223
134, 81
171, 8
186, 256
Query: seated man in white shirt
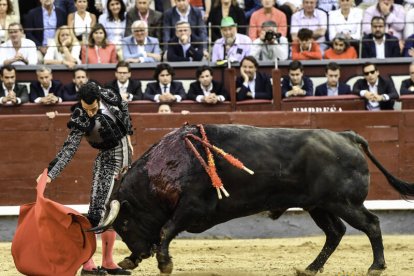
17, 50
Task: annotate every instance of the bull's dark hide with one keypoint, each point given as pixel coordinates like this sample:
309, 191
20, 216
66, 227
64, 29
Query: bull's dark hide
167, 191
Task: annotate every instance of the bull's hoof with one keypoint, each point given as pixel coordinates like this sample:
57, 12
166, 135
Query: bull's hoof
166, 268
375, 272
127, 263
306, 272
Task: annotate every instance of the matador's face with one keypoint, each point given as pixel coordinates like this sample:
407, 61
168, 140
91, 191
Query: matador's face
91, 109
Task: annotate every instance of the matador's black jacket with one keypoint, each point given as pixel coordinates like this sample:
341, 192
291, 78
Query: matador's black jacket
101, 131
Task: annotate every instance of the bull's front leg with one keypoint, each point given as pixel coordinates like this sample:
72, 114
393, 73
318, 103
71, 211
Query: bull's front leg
130, 262
168, 232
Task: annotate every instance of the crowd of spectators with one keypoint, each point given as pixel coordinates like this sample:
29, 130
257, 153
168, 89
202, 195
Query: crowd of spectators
223, 30
125, 32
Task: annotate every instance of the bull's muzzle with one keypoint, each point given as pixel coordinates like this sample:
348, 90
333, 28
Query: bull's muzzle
113, 213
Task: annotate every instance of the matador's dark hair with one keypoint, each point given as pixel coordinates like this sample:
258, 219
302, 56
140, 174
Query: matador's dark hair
89, 92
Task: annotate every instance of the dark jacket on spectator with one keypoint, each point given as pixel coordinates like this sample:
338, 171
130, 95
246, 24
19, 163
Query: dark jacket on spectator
154, 89
322, 90
69, 93
392, 46
263, 88
195, 90
175, 50
384, 87
198, 28
34, 24
307, 85
134, 88
36, 90
409, 44
20, 90
405, 87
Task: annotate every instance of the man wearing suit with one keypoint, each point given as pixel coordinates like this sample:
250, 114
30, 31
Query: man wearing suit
164, 89
296, 84
142, 11
379, 94
41, 23
45, 90
407, 85
70, 91
332, 87
129, 89
252, 84
140, 47
205, 89
379, 44
184, 11
184, 46
11, 93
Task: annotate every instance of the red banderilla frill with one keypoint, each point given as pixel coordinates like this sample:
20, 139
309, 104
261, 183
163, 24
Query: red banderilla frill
210, 168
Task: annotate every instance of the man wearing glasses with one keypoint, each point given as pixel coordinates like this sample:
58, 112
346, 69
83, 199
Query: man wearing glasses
129, 89
379, 94
139, 47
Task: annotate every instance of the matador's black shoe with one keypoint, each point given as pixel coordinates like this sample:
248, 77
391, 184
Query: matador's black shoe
117, 271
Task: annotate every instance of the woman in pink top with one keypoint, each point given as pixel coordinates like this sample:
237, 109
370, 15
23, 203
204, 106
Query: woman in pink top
98, 49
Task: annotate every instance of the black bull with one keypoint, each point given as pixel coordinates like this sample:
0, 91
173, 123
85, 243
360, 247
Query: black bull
167, 191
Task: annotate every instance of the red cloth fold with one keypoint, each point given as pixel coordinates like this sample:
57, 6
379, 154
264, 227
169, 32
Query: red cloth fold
50, 238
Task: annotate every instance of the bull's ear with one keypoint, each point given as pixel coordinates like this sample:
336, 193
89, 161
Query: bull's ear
126, 207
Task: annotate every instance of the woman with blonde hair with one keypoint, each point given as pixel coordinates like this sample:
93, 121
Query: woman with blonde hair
64, 49
98, 50
7, 16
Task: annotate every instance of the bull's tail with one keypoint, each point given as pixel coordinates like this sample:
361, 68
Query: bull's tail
404, 188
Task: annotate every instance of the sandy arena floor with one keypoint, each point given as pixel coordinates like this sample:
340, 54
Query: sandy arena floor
264, 257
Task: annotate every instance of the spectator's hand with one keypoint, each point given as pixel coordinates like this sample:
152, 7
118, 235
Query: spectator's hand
167, 97
43, 49
155, 56
370, 96
48, 180
132, 60
70, 64
385, 8
378, 98
206, 55
244, 75
184, 39
12, 97
124, 96
262, 35
211, 99
205, 17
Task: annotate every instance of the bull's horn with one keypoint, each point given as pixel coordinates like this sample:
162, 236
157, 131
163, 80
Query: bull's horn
113, 213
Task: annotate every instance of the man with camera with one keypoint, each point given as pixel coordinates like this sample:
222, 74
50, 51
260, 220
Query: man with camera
270, 45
